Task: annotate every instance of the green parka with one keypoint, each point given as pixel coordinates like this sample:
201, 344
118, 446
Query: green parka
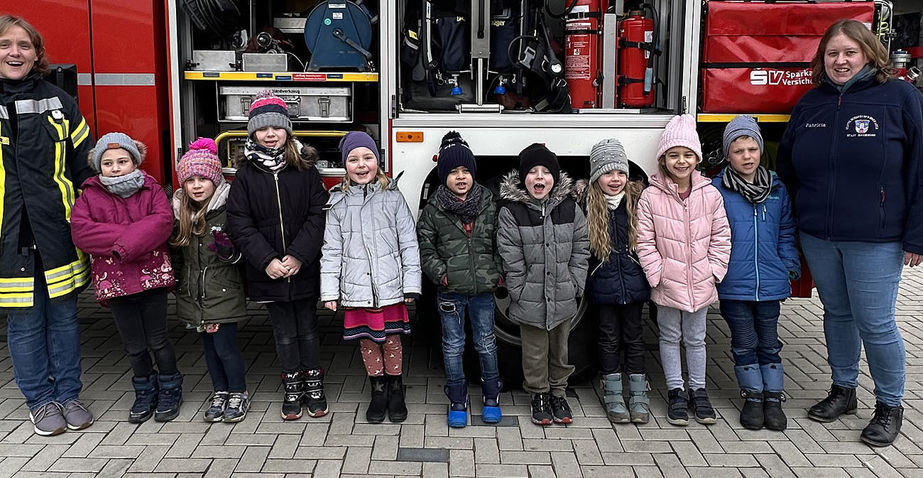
209, 289
470, 264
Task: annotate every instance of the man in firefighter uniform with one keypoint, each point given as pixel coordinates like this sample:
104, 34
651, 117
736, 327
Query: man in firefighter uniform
44, 142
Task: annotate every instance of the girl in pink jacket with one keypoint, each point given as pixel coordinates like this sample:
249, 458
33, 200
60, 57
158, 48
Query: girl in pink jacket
123, 220
684, 243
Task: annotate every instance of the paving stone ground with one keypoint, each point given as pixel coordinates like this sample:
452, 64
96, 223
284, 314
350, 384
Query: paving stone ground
343, 444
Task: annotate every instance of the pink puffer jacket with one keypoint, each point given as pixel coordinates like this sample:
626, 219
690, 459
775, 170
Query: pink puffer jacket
684, 246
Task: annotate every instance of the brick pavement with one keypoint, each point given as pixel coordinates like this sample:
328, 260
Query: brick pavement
342, 444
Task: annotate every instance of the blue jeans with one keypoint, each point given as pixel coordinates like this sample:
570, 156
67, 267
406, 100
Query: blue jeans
224, 360
754, 331
44, 344
857, 283
481, 314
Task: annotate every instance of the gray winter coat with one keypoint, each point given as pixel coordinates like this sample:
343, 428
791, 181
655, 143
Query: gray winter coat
545, 250
370, 256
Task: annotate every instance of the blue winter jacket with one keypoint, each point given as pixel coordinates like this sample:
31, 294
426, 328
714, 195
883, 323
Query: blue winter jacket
762, 245
620, 280
852, 162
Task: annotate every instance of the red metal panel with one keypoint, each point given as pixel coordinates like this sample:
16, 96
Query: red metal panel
65, 27
129, 60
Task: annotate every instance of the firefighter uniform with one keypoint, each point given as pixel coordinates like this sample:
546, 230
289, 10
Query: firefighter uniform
44, 142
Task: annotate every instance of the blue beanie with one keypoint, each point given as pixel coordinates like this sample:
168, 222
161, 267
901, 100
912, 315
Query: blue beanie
454, 152
742, 126
358, 139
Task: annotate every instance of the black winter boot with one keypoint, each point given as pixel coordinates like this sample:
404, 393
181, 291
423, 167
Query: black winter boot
314, 396
378, 405
840, 400
294, 394
774, 417
885, 425
169, 397
751, 415
397, 409
145, 399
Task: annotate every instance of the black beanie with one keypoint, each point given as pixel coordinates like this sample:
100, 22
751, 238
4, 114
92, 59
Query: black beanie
454, 152
538, 155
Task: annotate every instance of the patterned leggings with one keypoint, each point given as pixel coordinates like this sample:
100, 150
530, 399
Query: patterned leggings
379, 358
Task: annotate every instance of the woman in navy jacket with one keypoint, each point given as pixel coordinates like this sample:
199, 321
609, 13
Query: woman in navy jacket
851, 159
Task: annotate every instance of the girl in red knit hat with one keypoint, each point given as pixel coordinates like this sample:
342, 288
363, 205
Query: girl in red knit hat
210, 295
276, 219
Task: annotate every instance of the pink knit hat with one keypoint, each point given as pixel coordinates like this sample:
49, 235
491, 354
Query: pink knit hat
268, 109
201, 160
680, 131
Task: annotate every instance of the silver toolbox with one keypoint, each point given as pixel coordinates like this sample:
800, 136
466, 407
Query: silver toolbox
332, 104
264, 62
213, 60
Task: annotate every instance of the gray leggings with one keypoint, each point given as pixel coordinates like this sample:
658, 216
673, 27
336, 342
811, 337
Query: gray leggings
678, 324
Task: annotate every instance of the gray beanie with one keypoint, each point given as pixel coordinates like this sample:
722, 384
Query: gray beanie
114, 141
606, 156
741, 126
268, 109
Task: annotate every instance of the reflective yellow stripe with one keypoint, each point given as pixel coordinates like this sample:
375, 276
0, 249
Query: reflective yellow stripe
2, 187
15, 300
64, 184
65, 272
16, 282
80, 133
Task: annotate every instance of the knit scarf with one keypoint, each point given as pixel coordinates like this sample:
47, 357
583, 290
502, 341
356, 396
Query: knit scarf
756, 192
614, 201
124, 185
467, 210
271, 159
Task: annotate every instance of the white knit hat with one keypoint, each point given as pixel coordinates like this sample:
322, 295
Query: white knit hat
680, 131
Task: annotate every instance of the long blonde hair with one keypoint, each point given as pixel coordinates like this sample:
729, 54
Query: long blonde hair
856, 31
190, 220
597, 216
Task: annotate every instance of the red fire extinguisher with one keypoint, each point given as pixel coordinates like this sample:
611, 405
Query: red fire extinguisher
581, 53
636, 61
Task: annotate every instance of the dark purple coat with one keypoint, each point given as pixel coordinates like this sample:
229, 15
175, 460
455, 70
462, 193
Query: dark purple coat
125, 237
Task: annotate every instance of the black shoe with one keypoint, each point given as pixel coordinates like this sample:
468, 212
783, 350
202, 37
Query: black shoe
751, 415
294, 393
169, 397
774, 417
704, 412
560, 409
541, 409
215, 412
314, 397
885, 425
238, 403
677, 407
145, 399
397, 408
378, 405
840, 400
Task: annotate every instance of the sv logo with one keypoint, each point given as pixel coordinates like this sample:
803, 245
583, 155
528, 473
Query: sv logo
766, 77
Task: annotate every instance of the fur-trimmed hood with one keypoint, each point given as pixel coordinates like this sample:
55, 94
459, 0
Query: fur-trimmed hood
218, 199
512, 189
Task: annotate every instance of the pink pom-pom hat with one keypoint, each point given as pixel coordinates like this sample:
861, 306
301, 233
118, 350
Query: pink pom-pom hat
201, 160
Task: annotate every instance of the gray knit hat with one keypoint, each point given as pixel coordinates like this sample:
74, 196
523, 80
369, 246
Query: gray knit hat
268, 109
606, 156
115, 140
741, 126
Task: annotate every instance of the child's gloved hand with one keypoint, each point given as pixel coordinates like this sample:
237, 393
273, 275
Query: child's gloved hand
794, 275
222, 245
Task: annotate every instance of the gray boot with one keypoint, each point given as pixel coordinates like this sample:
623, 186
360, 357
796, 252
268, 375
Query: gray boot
638, 403
613, 399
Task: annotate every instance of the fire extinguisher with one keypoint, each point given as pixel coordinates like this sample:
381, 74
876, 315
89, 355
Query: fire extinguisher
637, 48
581, 53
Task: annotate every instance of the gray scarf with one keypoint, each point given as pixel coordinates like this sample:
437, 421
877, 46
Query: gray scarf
756, 192
467, 210
124, 185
